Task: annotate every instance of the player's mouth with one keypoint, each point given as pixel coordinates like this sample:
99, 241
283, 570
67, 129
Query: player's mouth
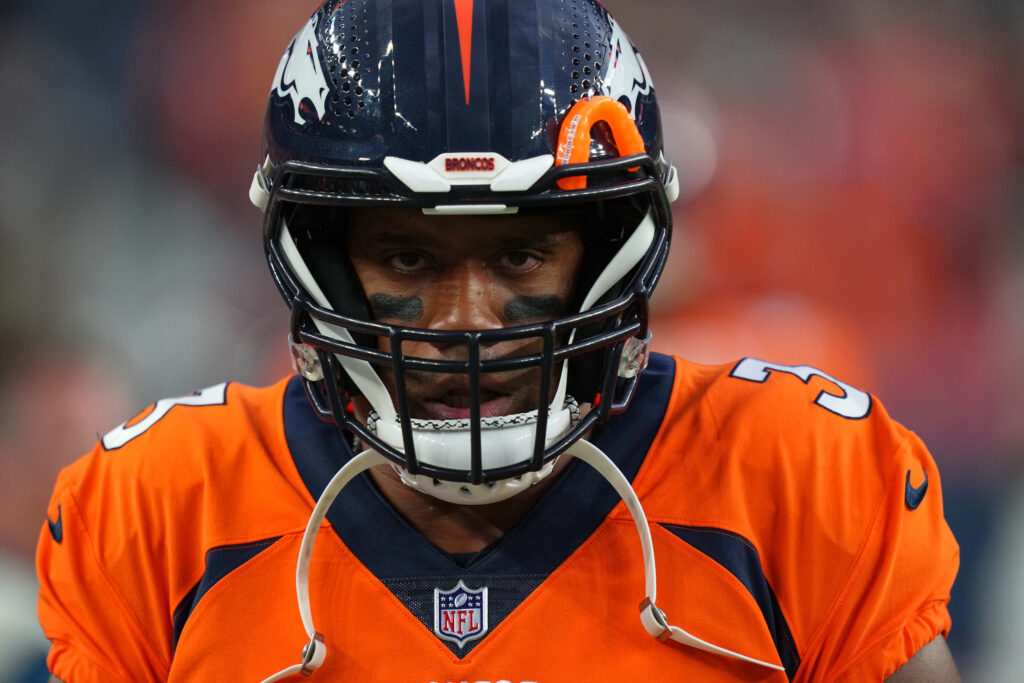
455, 404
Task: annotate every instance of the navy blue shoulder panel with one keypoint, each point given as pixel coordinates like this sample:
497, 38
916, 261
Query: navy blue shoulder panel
740, 557
220, 562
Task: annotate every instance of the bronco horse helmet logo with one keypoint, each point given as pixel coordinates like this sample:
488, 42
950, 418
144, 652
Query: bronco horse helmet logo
300, 76
626, 78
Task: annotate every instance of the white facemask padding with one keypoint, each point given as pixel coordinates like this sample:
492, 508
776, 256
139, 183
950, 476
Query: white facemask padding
503, 440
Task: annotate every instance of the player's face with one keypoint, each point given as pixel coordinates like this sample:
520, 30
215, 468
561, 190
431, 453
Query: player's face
466, 273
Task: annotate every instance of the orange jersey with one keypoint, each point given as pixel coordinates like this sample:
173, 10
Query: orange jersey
793, 521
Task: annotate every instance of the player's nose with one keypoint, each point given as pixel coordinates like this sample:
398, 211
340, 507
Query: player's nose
465, 298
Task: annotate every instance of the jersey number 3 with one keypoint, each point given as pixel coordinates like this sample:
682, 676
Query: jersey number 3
122, 434
852, 403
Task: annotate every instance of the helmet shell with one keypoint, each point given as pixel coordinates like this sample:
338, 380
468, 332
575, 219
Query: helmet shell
414, 79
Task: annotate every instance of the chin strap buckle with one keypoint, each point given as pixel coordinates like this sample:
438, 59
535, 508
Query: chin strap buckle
313, 654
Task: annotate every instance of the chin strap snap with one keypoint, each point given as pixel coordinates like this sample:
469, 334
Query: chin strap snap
653, 619
313, 654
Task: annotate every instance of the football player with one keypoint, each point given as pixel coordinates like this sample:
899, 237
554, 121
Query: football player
479, 470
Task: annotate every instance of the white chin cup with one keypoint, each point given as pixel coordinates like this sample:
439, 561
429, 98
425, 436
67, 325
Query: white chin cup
505, 440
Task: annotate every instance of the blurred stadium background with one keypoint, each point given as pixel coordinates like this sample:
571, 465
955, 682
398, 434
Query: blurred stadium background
853, 198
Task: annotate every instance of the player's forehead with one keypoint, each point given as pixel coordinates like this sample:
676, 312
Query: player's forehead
413, 227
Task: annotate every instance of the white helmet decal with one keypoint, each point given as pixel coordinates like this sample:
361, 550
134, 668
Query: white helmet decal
300, 76
626, 77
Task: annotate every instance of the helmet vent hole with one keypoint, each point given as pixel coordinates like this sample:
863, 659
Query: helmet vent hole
351, 34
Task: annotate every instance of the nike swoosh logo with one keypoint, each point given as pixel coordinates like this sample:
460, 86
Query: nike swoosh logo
57, 528
912, 495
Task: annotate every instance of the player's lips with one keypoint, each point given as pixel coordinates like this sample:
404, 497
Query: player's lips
452, 400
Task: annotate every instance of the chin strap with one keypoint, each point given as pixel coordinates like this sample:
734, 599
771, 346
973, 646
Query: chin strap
314, 652
653, 619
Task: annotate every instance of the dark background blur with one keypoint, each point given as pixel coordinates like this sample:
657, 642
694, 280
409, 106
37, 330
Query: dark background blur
853, 199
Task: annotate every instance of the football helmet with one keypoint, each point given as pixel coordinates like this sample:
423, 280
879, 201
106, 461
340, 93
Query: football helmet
464, 107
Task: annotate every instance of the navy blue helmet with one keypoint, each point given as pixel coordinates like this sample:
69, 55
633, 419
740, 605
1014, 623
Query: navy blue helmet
463, 107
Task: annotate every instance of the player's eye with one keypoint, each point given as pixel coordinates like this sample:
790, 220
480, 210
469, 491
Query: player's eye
518, 261
407, 261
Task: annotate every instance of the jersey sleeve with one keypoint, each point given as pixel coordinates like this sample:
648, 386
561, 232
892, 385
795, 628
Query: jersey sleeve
130, 524
844, 505
894, 599
94, 632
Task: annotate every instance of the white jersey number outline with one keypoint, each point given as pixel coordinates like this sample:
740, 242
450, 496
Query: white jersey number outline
120, 435
852, 404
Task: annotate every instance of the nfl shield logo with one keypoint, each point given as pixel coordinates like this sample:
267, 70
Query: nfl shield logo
460, 614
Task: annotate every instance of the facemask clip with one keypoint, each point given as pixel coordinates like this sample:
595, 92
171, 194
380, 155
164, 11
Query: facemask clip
635, 354
305, 361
